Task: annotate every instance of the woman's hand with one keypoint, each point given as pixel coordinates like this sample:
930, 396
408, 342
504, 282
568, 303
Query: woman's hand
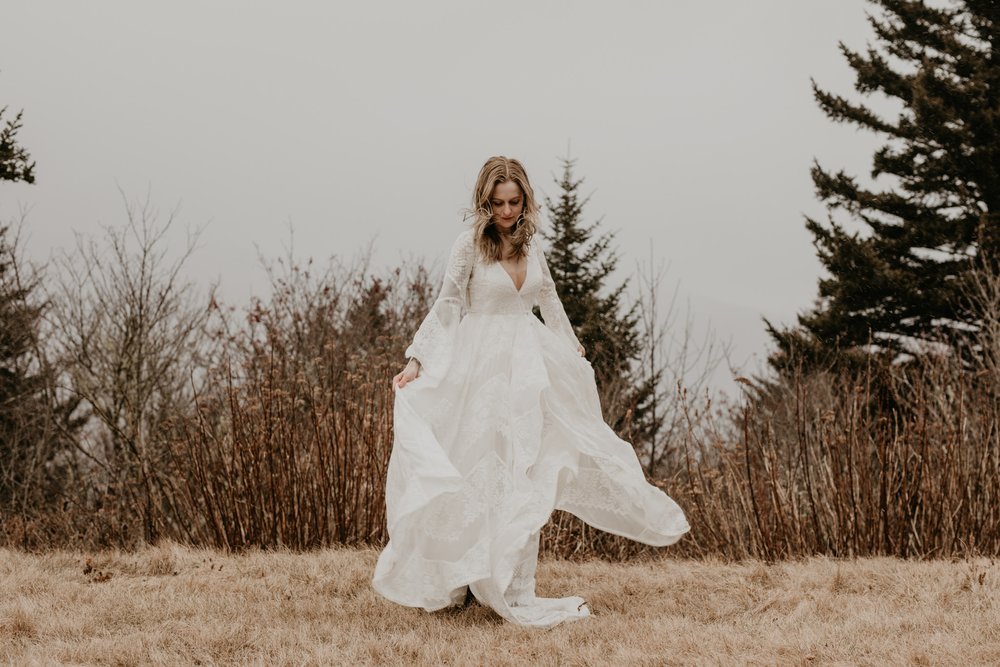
408, 374
581, 350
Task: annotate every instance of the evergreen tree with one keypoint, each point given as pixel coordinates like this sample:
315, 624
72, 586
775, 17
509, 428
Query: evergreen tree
581, 262
15, 163
21, 423
898, 284
34, 427
17, 385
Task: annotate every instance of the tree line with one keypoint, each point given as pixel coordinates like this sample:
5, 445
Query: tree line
132, 406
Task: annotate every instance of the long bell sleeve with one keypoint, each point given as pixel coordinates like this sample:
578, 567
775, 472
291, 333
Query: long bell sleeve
551, 307
434, 340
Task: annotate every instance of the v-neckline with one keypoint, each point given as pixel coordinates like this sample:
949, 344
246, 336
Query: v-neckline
510, 278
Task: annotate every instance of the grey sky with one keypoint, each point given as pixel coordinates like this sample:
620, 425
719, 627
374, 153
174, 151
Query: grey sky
693, 124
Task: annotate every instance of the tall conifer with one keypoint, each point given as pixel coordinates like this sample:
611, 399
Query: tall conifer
934, 214
34, 425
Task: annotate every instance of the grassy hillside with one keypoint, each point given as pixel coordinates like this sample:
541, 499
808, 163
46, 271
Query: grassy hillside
175, 605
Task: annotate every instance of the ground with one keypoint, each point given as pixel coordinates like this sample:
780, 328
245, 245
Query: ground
169, 604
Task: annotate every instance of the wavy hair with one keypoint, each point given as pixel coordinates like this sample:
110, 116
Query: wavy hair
500, 169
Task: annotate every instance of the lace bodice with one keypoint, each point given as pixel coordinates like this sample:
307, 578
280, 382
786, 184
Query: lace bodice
491, 290
475, 286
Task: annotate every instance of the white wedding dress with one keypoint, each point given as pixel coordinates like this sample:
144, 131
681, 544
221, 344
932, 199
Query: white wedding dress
502, 426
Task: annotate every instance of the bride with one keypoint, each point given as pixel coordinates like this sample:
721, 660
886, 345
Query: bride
497, 423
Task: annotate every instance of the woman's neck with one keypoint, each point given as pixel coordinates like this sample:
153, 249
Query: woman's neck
506, 245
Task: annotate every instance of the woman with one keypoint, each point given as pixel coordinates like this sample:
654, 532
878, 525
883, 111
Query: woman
498, 422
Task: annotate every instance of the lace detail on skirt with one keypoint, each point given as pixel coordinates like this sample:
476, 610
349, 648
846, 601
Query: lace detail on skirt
594, 489
485, 488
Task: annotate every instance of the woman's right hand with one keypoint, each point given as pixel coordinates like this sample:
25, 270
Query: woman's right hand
408, 374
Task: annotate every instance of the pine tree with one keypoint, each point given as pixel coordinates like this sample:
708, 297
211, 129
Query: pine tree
581, 261
21, 423
17, 385
34, 426
15, 163
898, 285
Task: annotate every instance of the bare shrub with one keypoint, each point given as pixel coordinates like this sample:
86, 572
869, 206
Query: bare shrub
679, 364
896, 459
880, 460
290, 443
130, 334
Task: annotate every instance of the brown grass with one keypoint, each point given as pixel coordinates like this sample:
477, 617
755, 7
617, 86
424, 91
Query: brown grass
176, 605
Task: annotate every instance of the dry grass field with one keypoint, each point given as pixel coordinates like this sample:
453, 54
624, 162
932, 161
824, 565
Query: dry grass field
172, 605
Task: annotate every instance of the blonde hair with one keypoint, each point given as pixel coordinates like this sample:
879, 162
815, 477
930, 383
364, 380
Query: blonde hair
500, 169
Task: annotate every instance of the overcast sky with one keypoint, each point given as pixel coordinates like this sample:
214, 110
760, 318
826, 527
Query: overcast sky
692, 123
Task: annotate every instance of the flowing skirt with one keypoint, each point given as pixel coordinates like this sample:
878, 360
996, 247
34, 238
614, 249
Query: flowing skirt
483, 454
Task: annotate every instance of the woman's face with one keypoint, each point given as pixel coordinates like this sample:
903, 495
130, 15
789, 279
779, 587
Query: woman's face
507, 203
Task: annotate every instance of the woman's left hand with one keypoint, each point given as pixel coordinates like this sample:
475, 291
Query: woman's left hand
581, 350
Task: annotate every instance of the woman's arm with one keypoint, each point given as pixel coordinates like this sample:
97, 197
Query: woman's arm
552, 309
430, 351
408, 374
